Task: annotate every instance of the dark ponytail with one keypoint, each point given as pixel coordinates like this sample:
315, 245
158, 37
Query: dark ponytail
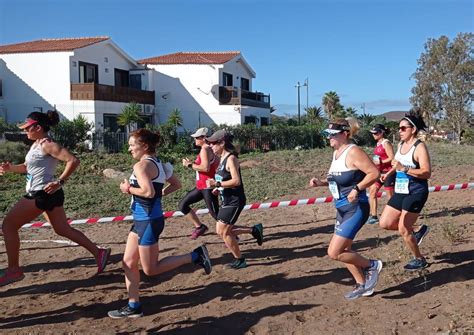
45, 120
415, 118
229, 146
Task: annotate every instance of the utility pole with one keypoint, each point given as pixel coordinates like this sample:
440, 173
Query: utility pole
298, 85
299, 114
306, 83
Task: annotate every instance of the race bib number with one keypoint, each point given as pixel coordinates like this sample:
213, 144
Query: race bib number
401, 183
333, 189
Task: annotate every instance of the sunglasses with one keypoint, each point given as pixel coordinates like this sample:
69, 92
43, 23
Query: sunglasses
403, 128
213, 143
27, 129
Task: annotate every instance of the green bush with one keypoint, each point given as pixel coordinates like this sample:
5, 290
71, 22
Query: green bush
277, 137
4, 126
14, 152
72, 134
468, 136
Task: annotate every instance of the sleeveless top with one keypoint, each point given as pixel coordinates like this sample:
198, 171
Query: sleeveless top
342, 179
382, 155
234, 196
404, 183
40, 167
150, 208
202, 176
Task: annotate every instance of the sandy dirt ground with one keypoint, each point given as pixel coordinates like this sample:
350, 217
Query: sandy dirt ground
290, 286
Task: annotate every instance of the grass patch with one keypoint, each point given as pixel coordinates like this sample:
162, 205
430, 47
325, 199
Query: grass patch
272, 175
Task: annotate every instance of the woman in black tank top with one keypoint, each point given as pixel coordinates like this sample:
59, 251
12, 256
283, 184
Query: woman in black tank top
228, 181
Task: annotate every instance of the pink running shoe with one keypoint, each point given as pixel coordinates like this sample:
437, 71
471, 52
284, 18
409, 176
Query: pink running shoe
7, 276
201, 230
102, 259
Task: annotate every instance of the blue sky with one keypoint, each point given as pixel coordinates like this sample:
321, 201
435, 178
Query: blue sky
364, 50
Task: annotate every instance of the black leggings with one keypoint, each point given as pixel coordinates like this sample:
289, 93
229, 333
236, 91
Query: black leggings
197, 195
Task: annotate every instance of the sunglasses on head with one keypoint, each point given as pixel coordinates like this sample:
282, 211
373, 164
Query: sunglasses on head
404, 128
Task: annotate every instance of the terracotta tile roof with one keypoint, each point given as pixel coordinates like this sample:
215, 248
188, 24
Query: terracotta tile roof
50, 45
192, 58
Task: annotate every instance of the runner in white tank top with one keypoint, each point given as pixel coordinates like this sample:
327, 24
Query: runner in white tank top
351, 172
413, 169
44, 194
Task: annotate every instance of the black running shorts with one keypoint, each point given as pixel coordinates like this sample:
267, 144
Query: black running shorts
46, 201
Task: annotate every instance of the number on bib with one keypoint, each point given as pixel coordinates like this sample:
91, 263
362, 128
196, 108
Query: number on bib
401, 183
333, 189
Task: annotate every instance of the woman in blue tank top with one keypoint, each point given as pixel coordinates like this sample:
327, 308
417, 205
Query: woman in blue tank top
350, 174
146, 186
44, 194
412, 167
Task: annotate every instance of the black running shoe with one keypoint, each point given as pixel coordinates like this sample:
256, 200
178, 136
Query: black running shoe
257, 233
126, 312
238, 263
203, 258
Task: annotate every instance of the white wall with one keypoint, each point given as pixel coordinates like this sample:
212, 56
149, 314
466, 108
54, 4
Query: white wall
194, 90
238, 71
97, 54
43, 80
34, 80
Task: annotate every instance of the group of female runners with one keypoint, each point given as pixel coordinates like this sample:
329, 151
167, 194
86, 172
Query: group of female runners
218, 175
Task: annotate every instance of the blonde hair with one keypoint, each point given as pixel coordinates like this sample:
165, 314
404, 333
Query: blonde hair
351, 122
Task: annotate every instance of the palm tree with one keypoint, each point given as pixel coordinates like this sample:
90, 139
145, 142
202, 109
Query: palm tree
331, 104
352, 112
175, 118
366, 119
314, 114
130, 115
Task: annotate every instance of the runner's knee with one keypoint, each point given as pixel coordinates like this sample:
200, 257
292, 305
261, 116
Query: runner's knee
184, 206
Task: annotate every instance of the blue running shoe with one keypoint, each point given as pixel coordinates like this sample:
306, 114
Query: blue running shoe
373, 219
416, 264
372, 276
357, 292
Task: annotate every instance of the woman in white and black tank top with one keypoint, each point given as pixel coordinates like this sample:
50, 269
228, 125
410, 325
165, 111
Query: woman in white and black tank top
350, 174
228, 182
44, 194
412, 167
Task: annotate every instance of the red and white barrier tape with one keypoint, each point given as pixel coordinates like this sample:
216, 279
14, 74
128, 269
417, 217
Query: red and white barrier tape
273, 204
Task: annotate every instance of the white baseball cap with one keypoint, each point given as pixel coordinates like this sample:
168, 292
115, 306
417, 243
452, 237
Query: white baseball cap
201, 132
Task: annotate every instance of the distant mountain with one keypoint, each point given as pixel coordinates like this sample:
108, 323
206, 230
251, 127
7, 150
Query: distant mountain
394, 115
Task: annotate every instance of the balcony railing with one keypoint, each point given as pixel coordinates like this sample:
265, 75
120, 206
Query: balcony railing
92, 91
235, 96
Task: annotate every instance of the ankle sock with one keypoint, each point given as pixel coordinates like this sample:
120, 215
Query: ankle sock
194, 256
134, 304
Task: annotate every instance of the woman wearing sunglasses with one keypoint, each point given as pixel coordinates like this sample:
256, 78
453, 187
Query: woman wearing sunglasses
412, 166
205, 166
44, 194
350, 174
228, 181
383, 155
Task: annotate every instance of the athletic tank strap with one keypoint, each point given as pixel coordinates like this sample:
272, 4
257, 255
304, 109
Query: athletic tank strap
156, 164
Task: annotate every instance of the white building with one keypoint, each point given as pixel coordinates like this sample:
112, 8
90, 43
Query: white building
93, 77
207, 87
88, 76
